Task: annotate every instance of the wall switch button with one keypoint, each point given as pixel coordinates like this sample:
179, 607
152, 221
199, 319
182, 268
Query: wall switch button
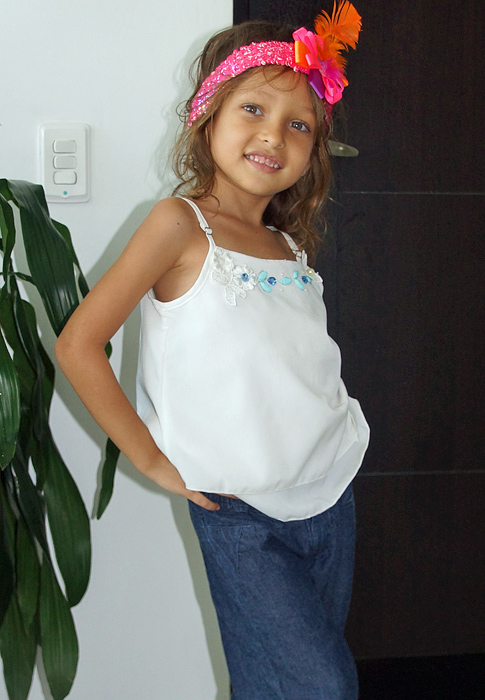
65, 161
65, 177
64, 147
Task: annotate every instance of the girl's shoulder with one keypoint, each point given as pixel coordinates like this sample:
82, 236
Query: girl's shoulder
173, 211
171, 222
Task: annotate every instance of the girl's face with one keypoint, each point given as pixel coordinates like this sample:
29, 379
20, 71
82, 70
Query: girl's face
263, 134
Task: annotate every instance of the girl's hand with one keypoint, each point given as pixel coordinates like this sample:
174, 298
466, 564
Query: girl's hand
167, 476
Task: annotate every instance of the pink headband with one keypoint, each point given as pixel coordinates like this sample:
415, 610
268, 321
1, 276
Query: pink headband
316, 55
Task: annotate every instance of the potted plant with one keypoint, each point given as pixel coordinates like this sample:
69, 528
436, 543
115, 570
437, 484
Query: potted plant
35, 484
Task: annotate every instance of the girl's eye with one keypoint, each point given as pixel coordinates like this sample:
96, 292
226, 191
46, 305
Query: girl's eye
253, 109
300, 126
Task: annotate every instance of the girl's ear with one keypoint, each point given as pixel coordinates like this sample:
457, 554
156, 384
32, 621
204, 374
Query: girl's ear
208, 132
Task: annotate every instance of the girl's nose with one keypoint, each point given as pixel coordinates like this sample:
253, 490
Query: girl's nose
273, 134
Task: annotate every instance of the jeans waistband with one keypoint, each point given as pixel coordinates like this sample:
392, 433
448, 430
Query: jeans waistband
226, 503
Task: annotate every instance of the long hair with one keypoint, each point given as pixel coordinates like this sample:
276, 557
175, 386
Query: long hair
297, 209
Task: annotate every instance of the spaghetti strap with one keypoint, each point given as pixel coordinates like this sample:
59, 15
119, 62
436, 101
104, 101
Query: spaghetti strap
200, 217
291, 243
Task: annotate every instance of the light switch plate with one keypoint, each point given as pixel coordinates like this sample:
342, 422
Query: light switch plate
71, 182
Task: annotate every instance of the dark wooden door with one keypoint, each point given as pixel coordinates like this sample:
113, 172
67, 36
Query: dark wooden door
403, 267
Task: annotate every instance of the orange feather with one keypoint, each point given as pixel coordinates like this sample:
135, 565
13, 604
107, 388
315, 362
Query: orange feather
339, 31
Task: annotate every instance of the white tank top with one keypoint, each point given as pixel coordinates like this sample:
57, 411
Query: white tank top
239, 384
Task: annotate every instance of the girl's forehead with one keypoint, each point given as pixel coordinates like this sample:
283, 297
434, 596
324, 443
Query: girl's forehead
277, 77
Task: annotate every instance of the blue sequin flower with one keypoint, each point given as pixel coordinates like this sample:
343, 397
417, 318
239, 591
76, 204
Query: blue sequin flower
262, 281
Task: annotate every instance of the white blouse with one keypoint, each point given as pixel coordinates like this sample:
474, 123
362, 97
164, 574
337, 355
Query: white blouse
239, 384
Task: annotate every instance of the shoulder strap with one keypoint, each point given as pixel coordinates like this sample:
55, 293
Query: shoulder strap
200, 217
291, 242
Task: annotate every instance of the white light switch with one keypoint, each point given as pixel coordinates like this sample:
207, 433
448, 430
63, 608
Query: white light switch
65, 176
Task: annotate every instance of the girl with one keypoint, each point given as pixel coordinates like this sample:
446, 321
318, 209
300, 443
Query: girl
241, 408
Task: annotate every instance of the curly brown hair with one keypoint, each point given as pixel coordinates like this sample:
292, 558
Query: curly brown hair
297, 209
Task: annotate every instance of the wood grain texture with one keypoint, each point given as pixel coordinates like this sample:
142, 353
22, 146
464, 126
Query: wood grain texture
420, 566
404, 290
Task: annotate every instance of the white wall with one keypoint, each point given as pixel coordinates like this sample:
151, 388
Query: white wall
146, 626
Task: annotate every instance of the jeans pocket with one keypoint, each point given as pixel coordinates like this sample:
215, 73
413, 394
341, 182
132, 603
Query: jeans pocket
232, 515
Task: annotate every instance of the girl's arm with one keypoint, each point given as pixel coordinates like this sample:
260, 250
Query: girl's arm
157, 248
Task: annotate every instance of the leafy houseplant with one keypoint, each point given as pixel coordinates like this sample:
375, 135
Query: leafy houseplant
35, 611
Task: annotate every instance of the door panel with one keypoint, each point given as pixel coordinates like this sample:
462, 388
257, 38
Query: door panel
403, 269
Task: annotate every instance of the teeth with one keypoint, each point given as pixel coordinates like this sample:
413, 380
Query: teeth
257, 159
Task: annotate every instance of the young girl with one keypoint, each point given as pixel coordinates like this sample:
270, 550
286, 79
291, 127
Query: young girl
241, 408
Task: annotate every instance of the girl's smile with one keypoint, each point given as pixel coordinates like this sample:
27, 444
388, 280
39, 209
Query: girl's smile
262, 136
263, 161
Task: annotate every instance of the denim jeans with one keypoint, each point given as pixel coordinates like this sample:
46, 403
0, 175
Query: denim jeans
282, 591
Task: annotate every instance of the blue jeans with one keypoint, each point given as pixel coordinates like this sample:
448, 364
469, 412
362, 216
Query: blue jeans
282, 592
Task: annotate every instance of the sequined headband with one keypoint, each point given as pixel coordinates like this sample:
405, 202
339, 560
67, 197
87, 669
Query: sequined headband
318, 55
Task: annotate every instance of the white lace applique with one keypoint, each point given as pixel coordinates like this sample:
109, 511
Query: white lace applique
301, 257
237, 279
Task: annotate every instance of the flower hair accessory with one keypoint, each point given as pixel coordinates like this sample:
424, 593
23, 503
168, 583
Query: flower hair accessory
318, 55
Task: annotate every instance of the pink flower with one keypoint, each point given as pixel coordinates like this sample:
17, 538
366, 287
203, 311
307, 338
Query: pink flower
325, 77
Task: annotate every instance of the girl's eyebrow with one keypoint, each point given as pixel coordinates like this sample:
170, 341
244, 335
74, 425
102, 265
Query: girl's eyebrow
306, 109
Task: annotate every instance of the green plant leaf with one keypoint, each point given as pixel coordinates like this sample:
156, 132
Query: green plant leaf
18, 647
42, 359
28, 574
22, 276
26, 378
48, 255
31, 403
68, 520
58, 635
7, 227
31, 343
107, 477
4, 190
9, 405
25, 372
66, 234
7, 535
25, 334
31, 505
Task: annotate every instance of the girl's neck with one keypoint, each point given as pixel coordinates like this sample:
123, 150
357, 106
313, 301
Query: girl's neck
238, 205
240, 228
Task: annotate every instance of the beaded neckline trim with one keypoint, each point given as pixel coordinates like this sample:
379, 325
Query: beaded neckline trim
238, 279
